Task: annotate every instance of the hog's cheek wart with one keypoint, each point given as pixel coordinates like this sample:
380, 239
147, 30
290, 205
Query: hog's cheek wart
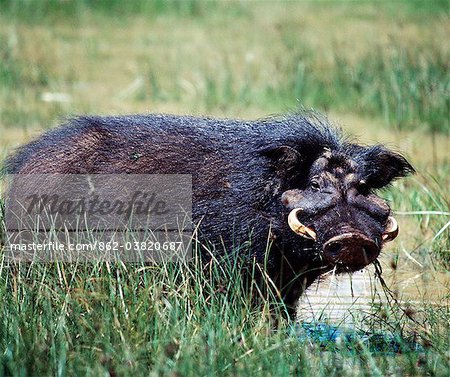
350, 179
382, 204
291, 196
321, 163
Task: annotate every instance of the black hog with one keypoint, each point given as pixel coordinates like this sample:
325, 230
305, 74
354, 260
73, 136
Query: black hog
293, 183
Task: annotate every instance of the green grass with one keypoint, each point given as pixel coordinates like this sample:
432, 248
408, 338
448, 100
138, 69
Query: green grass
408, 92
427, 201
396, 68
380, 68
100, 318
36, 11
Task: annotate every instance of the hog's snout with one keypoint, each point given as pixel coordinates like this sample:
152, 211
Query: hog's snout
352, 250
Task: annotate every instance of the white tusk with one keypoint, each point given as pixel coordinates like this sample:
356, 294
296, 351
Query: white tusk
391, 230
298, 227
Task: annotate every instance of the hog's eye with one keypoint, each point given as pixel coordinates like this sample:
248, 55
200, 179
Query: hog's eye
315, 186
363, 187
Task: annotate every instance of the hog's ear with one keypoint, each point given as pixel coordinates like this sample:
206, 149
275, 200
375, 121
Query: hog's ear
285, 160
380, 166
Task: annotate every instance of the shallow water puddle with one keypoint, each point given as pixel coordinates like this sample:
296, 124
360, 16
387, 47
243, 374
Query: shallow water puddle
355, 300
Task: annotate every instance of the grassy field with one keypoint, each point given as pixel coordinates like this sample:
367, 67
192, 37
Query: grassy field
379, 69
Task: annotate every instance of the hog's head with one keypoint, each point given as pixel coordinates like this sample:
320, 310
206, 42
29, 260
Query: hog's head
334, 206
